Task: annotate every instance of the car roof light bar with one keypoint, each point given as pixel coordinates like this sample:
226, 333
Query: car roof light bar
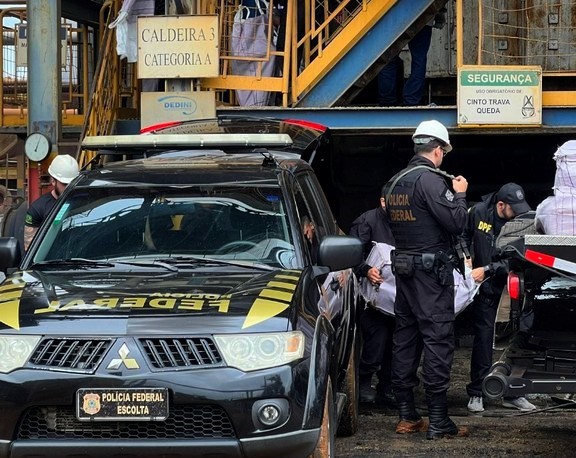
215, 141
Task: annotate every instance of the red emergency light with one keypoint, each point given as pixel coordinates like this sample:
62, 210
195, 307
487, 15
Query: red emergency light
514, 286
308, 124
161, 125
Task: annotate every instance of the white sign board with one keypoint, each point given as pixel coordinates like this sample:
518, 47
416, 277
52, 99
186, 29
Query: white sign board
22, 45
159, 107
178, 46
499, 95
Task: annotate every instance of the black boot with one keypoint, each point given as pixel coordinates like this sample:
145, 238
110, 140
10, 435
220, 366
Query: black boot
410, 419
385, 396
441, 425
367, 393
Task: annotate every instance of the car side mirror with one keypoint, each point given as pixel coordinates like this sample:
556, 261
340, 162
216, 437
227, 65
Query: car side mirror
10, 253
339, 252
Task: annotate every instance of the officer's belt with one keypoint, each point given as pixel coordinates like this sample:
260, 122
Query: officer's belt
417, 259
420, 261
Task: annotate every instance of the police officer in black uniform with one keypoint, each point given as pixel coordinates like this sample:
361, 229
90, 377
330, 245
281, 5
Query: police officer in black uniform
427, 211
376, 327
485, 221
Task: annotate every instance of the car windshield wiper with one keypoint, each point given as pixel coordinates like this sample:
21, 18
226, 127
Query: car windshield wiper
150, 263
91, 263
193, 260
73, 262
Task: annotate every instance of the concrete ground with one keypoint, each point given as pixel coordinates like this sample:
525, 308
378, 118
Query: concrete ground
549, 432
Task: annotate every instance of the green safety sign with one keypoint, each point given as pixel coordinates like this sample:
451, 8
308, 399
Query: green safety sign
499, 78
497, 95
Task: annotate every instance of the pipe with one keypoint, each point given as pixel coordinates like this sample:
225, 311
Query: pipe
44, 79
496, 382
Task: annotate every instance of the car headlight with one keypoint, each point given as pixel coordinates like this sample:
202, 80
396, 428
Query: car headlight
250, 352
15, 351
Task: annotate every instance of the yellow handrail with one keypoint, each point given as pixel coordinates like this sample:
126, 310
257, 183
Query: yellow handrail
105, 92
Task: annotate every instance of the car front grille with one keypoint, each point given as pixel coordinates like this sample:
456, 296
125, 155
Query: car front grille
183, 422
165, 353
70, 353
85, 354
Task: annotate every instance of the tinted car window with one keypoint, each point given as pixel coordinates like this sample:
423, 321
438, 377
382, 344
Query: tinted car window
312, 194
241, 223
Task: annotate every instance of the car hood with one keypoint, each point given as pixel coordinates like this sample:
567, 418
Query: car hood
129, 303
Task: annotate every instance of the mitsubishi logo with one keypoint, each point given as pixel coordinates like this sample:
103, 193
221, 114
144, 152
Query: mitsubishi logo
130, 363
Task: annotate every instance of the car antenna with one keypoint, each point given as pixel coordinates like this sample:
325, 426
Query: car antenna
269, 159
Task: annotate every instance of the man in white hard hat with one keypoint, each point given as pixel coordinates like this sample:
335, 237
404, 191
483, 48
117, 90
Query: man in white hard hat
427, 210
63, 169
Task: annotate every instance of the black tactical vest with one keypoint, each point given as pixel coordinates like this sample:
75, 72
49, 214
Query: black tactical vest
414, 228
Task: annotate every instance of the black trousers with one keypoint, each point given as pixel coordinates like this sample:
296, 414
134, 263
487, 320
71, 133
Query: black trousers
484, 311
424, 322
377, 329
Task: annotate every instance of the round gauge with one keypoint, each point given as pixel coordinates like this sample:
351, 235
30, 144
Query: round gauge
37, 146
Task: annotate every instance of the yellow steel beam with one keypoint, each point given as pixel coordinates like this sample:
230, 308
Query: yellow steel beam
459, 35
9, 173
249, 83
341, 44
16, 120
559, 98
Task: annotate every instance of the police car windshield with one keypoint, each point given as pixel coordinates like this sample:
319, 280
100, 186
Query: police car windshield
231, 222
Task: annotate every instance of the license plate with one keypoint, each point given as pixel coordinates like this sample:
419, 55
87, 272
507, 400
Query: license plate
143, 404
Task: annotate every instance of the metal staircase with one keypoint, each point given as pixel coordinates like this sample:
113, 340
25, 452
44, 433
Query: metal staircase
366, 43
114, 94
334, 52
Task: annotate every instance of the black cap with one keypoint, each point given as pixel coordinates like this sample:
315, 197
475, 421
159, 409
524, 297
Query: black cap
513, 195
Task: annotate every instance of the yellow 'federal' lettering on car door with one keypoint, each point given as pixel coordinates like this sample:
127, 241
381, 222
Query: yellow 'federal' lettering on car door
262, 310
273, 299
10, 304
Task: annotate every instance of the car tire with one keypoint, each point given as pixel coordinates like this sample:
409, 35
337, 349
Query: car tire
348, 424
325, 448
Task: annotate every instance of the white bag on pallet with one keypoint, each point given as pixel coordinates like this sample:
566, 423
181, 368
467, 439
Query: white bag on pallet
565, 158
556, 215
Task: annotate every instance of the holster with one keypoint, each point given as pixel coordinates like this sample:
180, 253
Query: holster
428, 261
402, 264
444, 268
441, 264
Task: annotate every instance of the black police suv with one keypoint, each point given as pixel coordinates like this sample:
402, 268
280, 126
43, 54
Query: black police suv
195, 301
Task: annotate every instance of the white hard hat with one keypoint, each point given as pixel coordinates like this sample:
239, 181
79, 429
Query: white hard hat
64, 168
429, 130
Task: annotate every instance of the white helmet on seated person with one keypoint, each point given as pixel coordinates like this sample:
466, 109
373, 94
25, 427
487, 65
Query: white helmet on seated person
64, 168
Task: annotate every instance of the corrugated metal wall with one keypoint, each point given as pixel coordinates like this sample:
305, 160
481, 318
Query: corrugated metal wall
512, 32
